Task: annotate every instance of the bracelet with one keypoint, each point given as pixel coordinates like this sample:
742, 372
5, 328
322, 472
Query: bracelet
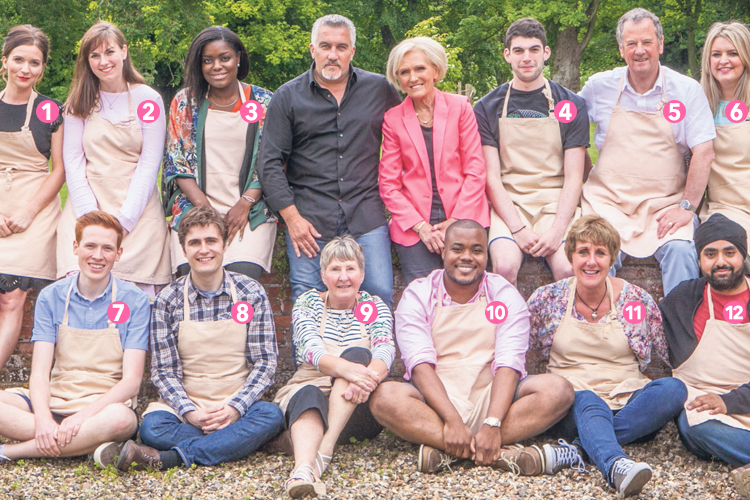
419, 226
519, 229
250, 199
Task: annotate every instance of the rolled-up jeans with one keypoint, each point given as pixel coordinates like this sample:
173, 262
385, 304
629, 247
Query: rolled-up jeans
164, 431
715, 439
602, 432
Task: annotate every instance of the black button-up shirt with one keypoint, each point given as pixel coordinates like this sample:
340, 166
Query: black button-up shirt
332, 151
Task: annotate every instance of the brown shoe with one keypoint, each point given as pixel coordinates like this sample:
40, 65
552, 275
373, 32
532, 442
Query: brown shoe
432, 460
521, 461
138, 457
741, 477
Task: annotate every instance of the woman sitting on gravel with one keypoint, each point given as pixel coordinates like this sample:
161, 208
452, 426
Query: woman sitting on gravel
343, 355
598, 333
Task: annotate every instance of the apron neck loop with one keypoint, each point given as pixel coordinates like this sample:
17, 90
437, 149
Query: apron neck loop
70, 290
131, 117
186, 302
663, 100
242, 92
324, 318
547, 92
711, 301
609, 291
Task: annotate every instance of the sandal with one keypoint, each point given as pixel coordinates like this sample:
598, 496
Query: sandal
322, 462
303, 483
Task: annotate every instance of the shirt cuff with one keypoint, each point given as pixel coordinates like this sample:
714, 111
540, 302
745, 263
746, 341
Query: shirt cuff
280, 199
417, 360
519, 367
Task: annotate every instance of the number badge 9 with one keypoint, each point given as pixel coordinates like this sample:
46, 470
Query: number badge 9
242, 312
366, 312
496, 312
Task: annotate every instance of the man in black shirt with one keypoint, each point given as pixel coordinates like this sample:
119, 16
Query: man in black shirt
534, 162
319, 159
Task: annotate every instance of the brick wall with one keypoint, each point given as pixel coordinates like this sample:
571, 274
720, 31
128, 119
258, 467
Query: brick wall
642, 272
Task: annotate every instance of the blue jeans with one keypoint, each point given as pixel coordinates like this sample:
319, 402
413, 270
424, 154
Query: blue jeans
678, 261
304, 273
164, 431
602, 432
715, 439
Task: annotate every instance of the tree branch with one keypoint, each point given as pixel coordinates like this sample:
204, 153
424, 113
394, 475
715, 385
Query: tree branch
591, 11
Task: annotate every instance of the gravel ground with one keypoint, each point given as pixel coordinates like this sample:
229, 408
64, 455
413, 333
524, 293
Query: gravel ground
383, 468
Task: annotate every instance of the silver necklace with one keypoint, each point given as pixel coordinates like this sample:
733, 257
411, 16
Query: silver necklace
112, 103
222, 105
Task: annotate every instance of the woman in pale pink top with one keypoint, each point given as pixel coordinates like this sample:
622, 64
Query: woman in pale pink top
113, 147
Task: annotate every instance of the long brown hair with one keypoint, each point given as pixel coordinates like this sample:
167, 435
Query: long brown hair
25, 34
739, 36
84, 91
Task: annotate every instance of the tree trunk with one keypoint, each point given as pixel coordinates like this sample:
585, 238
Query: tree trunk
566, 69
388, 40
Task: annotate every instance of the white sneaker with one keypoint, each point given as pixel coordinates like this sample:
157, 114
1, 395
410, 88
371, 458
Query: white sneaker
629, 477
106, 453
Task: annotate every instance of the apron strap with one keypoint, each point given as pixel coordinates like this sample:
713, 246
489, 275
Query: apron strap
571, 298
67, 301
547, 92
322, 328
131, 117
663, 89
186, 303
612, 314
572, 295
711, 302
619, 89
29, 108
242, 92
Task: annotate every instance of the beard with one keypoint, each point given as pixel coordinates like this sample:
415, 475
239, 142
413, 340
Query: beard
729, 282
334, 75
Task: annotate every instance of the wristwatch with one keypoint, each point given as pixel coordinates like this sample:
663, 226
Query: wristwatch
492, 422
686, 205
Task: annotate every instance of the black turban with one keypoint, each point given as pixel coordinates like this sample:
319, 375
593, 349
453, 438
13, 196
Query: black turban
718, 227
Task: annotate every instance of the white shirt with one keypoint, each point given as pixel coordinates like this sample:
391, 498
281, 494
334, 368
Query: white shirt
600, 94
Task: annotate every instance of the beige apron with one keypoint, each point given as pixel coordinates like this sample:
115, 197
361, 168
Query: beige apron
718, 365
32, 252
225, 135
531, 166
212, 354
88, 363
465, 344
307, 374
596, 356
640, 174
729, 180
112, 153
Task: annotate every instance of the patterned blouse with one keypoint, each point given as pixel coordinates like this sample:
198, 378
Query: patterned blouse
342, 328
180, 158
547, 306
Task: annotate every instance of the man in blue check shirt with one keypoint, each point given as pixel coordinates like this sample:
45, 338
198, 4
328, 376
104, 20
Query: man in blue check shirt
86, 404
214, 354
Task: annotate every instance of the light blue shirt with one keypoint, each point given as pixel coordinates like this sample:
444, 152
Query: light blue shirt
88, 314
720, 118
600, 94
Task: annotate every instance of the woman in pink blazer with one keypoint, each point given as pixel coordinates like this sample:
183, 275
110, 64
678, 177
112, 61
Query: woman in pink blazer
432, 171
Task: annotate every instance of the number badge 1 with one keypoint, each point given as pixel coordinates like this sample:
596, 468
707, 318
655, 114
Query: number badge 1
496, 312
634, 312
366, 312
118, 312
47, 111
734, 313
242, 312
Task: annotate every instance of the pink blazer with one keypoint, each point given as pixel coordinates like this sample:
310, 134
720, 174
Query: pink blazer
405, 182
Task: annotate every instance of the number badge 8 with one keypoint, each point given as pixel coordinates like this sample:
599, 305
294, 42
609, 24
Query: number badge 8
242, 312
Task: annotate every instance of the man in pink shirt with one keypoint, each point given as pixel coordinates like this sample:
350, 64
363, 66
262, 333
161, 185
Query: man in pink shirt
469, 395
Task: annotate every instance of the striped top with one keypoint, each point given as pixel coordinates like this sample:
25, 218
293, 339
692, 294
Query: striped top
341, 328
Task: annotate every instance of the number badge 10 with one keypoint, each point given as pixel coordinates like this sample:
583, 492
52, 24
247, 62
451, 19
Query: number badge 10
496, 312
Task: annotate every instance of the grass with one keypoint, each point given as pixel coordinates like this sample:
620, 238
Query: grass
593, 153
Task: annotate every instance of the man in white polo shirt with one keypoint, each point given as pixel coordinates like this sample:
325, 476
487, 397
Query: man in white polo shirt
641, 182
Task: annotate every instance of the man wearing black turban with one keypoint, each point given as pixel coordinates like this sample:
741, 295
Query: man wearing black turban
708, 331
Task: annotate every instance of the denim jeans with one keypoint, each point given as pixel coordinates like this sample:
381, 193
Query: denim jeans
304, 273
678, 261
715, 439
602, 432
164, 431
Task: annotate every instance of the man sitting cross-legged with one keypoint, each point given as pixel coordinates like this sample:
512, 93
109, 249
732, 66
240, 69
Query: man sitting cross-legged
211, 370
467, 374
88, 399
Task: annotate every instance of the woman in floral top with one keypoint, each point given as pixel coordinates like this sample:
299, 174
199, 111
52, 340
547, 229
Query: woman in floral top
214, 131
342, 361
598, 333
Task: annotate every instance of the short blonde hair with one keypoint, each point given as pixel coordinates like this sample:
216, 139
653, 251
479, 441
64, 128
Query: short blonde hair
593, 229
432, 50
342, 248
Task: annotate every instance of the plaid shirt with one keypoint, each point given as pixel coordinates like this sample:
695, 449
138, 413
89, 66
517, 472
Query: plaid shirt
166, 315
